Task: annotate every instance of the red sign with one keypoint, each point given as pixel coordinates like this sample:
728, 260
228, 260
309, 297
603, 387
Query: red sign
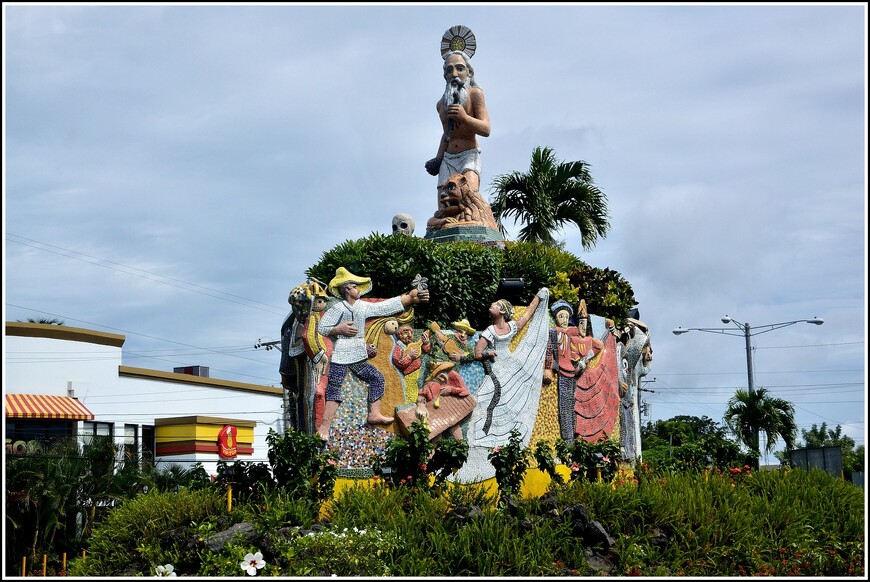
227, 441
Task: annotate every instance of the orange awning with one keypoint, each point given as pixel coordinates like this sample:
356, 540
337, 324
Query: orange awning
45, 406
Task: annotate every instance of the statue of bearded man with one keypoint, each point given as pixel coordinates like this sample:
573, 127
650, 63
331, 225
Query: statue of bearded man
463, 114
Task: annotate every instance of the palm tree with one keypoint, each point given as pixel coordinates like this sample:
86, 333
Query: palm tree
751, 413
52, 321
551, 195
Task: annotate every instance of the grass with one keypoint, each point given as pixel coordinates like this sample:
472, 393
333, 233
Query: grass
784, 523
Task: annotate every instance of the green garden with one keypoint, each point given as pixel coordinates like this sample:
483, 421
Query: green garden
597, 517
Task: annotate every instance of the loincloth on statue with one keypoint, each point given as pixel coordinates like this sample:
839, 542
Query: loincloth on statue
459, 163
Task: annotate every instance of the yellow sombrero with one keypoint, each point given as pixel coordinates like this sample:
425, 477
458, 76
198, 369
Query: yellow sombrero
463, 325
437, 368
342, 275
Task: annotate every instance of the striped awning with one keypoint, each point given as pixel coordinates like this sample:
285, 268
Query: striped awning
45, 406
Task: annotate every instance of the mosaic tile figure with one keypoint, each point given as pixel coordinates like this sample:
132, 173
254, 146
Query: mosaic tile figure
563, 362
344, 322
507, 398
596, 397
635, 355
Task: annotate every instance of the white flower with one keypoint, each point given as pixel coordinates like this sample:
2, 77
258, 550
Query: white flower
167, 570
252, 563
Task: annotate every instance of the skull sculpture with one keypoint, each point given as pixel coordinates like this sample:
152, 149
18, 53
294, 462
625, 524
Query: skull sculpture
403, 224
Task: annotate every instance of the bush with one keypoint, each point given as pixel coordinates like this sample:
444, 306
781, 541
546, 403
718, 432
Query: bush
464, 276
151, 529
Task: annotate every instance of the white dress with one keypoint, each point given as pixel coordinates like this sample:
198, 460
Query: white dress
520, 374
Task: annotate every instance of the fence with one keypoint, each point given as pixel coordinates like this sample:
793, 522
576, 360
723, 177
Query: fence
45, 565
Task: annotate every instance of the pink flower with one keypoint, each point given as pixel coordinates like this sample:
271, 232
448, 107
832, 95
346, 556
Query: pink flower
496, 450
575, 467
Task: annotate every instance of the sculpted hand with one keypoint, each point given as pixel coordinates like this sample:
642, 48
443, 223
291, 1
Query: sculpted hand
320, 366
548, 377
346, 328
456, 112
433, 166
419, 296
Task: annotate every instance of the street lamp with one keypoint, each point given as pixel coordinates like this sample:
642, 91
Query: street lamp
747, 332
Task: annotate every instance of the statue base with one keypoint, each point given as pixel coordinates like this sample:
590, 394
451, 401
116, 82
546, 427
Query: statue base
467, 233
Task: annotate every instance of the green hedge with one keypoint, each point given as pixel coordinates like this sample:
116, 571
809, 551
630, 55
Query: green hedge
464, 276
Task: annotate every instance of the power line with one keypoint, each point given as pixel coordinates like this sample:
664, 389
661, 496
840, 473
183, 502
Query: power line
183, 363
148, 275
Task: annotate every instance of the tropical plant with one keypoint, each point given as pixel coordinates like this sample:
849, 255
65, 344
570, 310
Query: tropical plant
750, 413
45, 321
685, 442
300, 466
549, 196
510, 461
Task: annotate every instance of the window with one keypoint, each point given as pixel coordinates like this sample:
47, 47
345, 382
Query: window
91, 429
148, 446
131, 444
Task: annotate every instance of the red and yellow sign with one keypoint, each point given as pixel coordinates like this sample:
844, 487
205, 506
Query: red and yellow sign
227, 440
203, 434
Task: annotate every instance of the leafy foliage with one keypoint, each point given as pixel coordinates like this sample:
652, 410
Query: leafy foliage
151, 529
510, 462
737, 522
686, 442
751, 413
464, 276
549, 196
587, 459
409, 461
606, 292
300, 467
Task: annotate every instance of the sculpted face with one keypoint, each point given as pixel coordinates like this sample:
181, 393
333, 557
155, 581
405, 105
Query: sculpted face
454, 67
405, 334
460, 336
581, 326
563, 318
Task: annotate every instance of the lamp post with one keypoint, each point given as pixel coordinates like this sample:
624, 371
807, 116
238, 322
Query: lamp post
747, 332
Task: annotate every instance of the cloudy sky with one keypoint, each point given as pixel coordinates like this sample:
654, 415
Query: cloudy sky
171, 171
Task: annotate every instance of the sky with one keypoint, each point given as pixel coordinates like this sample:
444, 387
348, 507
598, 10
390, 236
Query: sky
170, 171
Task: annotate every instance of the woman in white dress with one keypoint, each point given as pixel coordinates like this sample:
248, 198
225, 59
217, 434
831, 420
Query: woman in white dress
507, 399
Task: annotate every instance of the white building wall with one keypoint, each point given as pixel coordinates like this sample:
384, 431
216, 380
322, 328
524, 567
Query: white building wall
40, 365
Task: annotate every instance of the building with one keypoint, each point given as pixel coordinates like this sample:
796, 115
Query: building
61, 380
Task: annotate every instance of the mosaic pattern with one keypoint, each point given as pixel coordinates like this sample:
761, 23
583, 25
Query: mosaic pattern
356, 442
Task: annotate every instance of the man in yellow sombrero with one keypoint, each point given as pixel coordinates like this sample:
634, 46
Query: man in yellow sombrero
345, 322
453, 345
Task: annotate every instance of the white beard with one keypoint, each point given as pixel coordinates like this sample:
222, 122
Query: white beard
450, 92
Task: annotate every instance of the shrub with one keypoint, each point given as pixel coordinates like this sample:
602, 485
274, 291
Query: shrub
151, 529
464, 276
409, 461
586, 459
510, 462
300, 466
349, 552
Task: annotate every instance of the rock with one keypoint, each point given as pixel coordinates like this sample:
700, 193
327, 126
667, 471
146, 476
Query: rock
217, 541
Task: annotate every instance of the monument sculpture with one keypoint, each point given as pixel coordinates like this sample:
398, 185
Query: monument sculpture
361, 369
